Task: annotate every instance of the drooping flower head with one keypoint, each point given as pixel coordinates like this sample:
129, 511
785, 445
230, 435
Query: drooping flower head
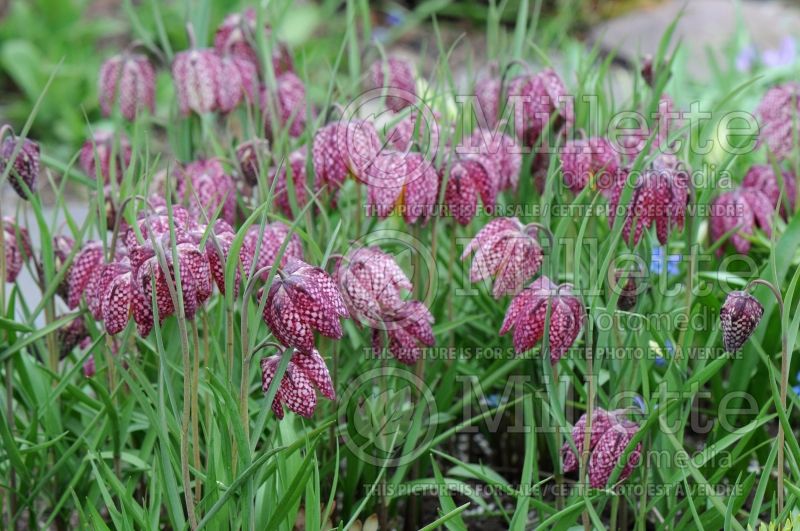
601, 422
288, 103
202, 84
205, 187
416, 132
305, 373
101, 153
470, 178
301, 299
592, 160
659, 197
396, 74
742, 209
343, 149
488, 91
127, 80
528, 312
24, 170
218, 250
251, 156
411, 331
506, 250
539, 100
237, 35
84, 267
504, 150
762, 177
271, 240
16, 246
406, 183
777, 114
71, 335
739, 316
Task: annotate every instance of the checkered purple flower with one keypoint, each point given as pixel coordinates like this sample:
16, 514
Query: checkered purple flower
411, 330
24, 170
590, 161
305, 374
777, 114
16, 246
101, 153
205, 186
127, 80
742, 209
739, 316
288, 102
398, 74
536, 100
471, 177
762, 177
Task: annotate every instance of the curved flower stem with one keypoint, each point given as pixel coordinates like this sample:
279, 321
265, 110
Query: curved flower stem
784, 382
541, 228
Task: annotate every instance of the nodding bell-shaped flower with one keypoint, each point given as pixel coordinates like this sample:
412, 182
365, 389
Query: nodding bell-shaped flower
218, 256
343, 149
204, 186
408, 330
659, 197
743, 208
470, 177
127, 80
762, 177
397, 74
536, 100
609, 451
199, 82
371, 284
488, 91
237, 35
101, 153
272, 239
84, 266
305, 374
71, 335
16, 246
25, 166
404, 182
289, 102
628, 292
504, 150
528, 312
739, 316
251, 157
407, 135
601, 422
777, 114
591, 161
280, 193
301, 299
506, 250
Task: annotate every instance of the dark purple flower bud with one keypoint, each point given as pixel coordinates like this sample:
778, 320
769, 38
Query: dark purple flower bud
409, 331
101, 153
398, 75
16, 246
628, 292
506, 250
305, 373
25, 167
739, 316
301, 299
528, 312
129, 81
71, 335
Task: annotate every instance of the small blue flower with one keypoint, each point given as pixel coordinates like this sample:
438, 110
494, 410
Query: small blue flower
639, 401
659, 259
785, 55
747, 58
796, 389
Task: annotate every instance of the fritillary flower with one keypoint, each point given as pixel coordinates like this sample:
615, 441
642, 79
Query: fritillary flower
628, 292
251, 155
506, 153
411, 131
528, 312
272, 239
762, 177
343, 149
289, 103
237, 34
127, 80
506, 250
601, 422
397, 74
470, 178
101, 153
204, 186
538, 100
659, 198
609, 451
742, 208
84, 266
218, 256
739, 316
777, 114
16, 246
280, 176
71, 335
408, 331
591, 161
24, 167
301, 299
305, 374
197, 75
488, 90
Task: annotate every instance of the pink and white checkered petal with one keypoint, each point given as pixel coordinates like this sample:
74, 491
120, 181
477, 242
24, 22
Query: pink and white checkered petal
403, 346
117, 304
461, 194
739, 316
529, 326
230, 87
107, 83
297, 391
285, 321
607, 454
314, 311
83, 268
315, 369
196, 74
